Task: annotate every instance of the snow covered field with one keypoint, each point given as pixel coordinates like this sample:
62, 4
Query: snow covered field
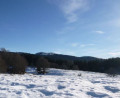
59, 84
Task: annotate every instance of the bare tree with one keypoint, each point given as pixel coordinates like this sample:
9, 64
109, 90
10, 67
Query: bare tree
16, 63
42, 64
19, 63
3, 66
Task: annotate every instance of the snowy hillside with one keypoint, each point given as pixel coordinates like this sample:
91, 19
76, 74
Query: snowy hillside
59, 84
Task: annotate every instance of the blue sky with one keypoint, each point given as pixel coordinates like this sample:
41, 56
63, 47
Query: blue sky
74, 27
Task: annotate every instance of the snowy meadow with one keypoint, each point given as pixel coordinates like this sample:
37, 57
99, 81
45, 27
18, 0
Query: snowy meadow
59, 84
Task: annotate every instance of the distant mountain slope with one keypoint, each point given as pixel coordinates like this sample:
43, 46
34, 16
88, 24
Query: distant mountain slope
65, 57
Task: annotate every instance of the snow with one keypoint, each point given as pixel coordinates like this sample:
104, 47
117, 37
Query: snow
43, 53
59, 84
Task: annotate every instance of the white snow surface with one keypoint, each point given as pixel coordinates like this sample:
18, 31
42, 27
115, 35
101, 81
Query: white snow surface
59, 84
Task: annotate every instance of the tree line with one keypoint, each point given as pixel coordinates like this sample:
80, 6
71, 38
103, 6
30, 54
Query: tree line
16, 63
111, 65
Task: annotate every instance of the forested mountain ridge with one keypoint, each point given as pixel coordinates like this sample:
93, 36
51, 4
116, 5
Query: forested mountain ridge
66, 57
16, 62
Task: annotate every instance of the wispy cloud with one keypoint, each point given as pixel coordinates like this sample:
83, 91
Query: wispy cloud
115, 22
65, 51
81, 45
71, 8
86, 45
74, 44
99, 32
65, 30
114, 54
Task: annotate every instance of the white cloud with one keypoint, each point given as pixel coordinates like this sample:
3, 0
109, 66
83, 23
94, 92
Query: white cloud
99, 32
82, 45
65, 30
65, 51
86, 45
114, 54
74, 44
71, 8
115, 22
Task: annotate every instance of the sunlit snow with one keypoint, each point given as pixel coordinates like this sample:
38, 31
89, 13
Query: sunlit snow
59, 84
